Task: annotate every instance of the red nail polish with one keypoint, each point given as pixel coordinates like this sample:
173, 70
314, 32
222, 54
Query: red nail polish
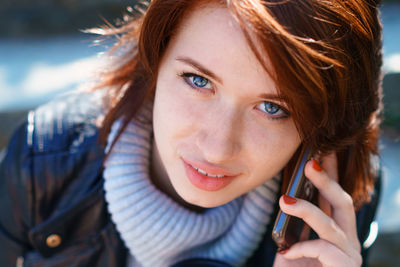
289, 200
283, 251
316, 165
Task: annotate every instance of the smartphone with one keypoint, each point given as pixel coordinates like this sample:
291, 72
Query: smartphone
289, 229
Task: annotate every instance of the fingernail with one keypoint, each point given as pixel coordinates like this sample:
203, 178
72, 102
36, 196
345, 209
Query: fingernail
316, 165
283, 251
289, 200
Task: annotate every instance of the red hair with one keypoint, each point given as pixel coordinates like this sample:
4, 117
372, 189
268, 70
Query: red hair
326, 58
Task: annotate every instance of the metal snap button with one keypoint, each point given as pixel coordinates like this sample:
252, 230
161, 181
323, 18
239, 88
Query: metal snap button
53, 240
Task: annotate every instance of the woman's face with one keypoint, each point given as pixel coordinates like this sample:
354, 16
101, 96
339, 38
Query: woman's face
216, 110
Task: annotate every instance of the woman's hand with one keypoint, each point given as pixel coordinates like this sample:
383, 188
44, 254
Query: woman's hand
334, 221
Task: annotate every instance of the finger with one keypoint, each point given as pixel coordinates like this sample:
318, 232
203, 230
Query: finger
327, 253
330, 166
342, 204
324, 205
280, 261
323, 225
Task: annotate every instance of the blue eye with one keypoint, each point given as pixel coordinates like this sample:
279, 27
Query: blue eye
272, 110
199, 81
196, 81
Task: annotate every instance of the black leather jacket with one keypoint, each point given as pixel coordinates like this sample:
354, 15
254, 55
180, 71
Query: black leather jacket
52, 206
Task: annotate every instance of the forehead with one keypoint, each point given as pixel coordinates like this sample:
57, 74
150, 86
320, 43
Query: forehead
212, 36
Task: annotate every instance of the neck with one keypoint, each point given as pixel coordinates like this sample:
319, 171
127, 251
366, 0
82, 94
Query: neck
161, 181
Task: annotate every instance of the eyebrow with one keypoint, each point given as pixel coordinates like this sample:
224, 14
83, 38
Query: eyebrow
272, 97
199, 67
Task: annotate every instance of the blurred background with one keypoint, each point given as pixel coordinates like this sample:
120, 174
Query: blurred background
43, 53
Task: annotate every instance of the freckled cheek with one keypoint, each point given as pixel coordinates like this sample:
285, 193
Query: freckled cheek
176, 116
270, 148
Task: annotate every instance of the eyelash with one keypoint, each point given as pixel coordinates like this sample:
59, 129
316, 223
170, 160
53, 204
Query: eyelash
186, 75
285, 114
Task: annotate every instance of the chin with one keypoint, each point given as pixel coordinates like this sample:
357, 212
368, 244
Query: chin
205, 200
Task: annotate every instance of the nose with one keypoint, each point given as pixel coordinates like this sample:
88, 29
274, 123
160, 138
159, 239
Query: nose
219, 137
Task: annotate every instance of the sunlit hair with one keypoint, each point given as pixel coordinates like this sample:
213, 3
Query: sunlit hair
326, 60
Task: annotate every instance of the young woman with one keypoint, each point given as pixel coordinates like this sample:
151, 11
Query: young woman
202, 118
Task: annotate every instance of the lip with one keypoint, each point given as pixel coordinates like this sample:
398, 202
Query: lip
210, 169
205, 182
